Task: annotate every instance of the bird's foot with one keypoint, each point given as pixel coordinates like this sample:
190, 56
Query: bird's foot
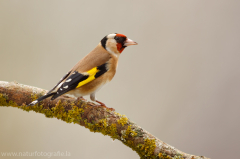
103, 105
81, 98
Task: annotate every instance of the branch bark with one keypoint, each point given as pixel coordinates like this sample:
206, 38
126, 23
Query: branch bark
93, 117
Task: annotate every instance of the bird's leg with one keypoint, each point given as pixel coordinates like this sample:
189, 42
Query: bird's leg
103, 105
93, 98
81, 98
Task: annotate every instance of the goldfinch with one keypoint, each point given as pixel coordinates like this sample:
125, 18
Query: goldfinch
93, 71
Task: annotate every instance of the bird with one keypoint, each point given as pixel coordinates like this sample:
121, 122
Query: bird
93, 71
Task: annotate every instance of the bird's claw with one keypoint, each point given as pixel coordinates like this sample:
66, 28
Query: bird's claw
81, 98
103, 105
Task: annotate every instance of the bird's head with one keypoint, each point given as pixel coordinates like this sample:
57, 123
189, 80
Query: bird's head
116, 43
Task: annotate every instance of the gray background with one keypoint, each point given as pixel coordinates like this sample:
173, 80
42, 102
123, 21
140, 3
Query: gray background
181, 83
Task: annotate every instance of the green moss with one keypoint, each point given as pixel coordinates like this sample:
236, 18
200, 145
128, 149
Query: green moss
148, 147
74, 115
127, 133
71, 116
47, 112
165, 156
58, 111
103, 127
34, 97
123, 119
4, 101
146, 150
178, 157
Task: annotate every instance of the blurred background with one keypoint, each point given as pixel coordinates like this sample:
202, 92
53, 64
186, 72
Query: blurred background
181, 83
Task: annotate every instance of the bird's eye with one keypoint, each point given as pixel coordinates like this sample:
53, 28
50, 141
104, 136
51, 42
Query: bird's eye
116, 38
120, 39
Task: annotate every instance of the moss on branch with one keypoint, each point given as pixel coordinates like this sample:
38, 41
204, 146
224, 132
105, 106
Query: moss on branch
93, 117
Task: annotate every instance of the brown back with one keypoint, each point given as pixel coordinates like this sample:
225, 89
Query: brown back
95, 58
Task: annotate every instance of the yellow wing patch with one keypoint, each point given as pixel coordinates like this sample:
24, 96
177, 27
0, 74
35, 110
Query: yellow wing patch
91, 77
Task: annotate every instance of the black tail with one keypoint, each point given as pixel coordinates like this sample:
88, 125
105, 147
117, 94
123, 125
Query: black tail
41, 98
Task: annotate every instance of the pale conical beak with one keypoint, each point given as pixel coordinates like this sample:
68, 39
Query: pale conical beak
129, 42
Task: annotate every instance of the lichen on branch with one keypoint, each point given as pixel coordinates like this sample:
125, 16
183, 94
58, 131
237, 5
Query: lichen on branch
93, 117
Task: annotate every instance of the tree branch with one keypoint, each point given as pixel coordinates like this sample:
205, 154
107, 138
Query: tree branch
93, 117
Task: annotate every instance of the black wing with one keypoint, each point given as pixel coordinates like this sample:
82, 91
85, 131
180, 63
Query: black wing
64, 77
77, 79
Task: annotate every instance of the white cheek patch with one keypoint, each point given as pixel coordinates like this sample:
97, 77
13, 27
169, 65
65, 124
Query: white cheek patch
111, 47
111, 36
111, 43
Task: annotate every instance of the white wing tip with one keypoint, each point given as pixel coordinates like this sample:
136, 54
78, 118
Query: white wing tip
33, 103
